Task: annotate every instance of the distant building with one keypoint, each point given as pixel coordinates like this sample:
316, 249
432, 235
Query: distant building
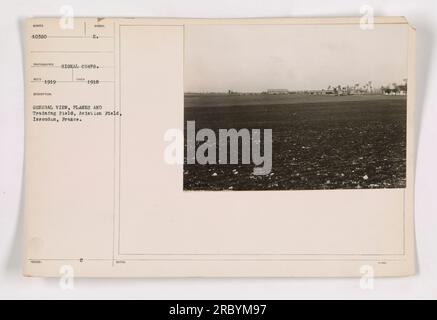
402, 90
395, 90
277, 91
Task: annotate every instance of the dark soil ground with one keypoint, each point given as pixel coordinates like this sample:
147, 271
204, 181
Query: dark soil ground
318, 142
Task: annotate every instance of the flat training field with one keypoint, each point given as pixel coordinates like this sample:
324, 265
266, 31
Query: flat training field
319, 142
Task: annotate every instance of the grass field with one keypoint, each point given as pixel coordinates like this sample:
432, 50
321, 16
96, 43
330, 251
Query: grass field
319, 142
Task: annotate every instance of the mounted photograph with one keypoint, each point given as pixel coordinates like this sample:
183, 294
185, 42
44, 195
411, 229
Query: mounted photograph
295, 107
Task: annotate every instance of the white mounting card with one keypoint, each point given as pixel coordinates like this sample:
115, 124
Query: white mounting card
219, 147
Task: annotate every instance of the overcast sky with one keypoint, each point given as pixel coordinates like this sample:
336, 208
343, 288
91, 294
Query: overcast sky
257, 58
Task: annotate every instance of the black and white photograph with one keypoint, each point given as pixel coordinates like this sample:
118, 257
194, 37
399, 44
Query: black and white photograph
297, 107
